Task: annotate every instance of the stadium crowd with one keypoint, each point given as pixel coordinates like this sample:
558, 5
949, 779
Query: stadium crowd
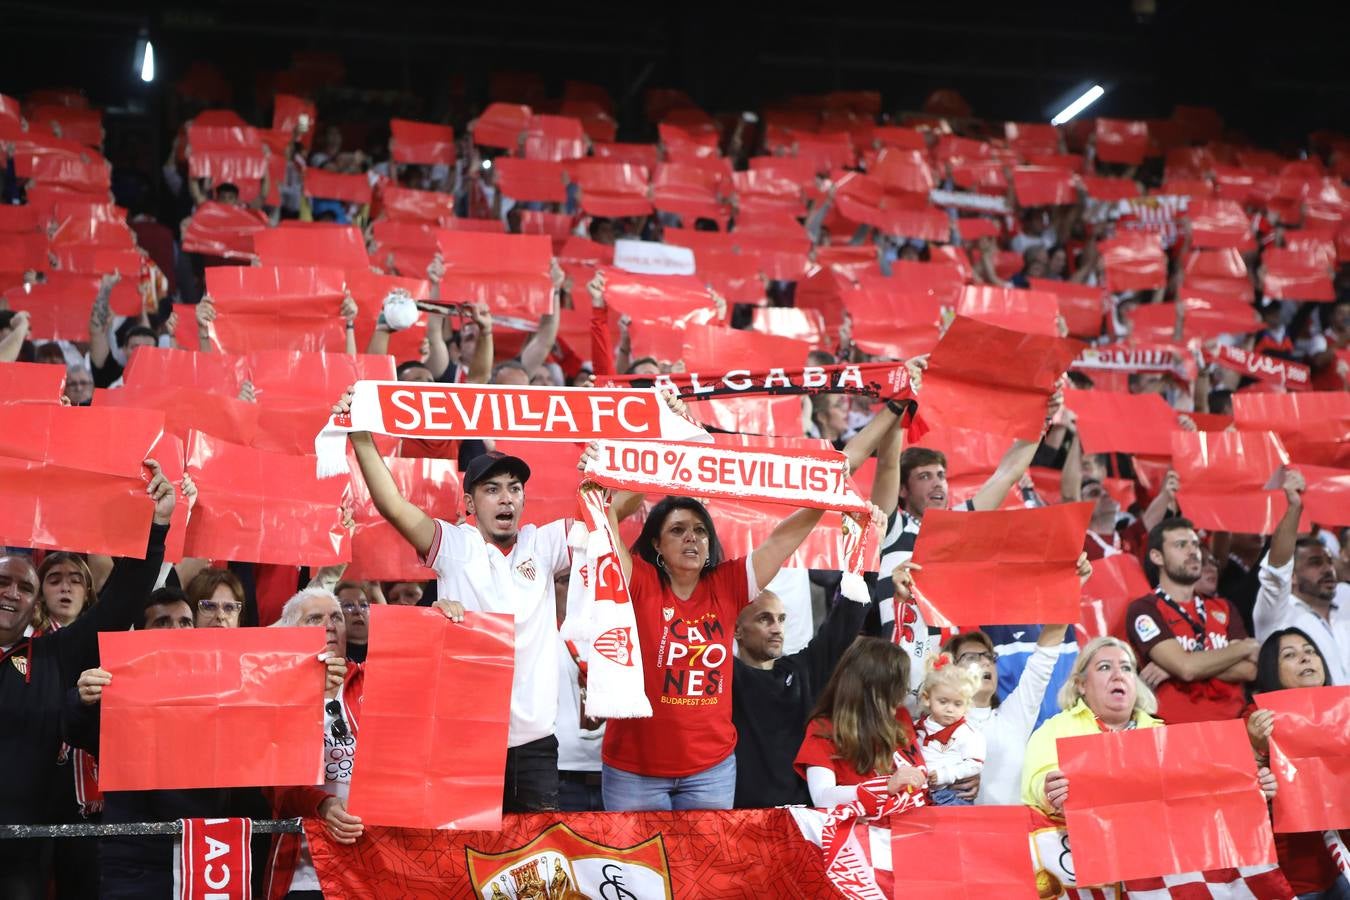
1203, 275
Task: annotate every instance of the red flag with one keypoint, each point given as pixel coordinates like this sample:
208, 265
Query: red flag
1157, 801
325, 185
1134, 262
402, 775
1122, 423
317, 244
508, 272
1006, 566
992, 379
960, 852
379, 552
1027, 311
421, 142
1310, 755
611, 188
531, 179
1121, 141
74, 489
211, 708
1115, 583
256, 506
22, 382
225, 230
1044, 186
277, 308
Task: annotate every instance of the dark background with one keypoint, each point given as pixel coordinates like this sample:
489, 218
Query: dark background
1275, 71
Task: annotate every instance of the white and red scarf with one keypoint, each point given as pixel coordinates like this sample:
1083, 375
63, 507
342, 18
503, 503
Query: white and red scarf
437, 411
1270, 369
600, 619
214, 861
880, 381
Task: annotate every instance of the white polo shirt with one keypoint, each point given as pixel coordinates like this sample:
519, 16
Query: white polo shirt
520, 583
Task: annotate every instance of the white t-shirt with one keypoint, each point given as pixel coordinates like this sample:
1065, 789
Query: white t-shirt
519, 583
1277, 608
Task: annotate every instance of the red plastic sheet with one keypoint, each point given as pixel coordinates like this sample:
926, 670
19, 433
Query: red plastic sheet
187, 408
1110, 189
82, 125
82, 259
1122, 423
211, 708
23, 252
508, 272
1223, 477
1043, 186
277, 308
59, 308
256, 506
1027, 311
1159, 801
287, 111
413, 205
641, 155
1320, 416
331, 246
1203, 316
713, 349
326, 185
1220, 224
91, 177
1116, 582
750, 415
962, 853
379, 552
676, 299
1134, 262
1002, 567
992, 379
22, 382
65, 486
423, 143
1083, 307
1310, 755
501, 125
402, 775
1289, 275
1121, 141
224, 230
555, 138
531, 179
611, 188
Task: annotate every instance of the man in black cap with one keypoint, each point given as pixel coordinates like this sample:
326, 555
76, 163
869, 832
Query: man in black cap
495, 565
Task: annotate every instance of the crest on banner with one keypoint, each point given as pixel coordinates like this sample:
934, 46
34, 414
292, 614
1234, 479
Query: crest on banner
560, 864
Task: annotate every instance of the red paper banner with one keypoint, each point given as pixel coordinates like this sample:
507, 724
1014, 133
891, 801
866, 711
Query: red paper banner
187, 408
1122, 423
421, 142
1134, 262
1043, 186
277, 308
962, 853
1203, 316
402, 775
289, 112
1290, 276
413, 205
326, 185
256, 506
22, 382
1310, 755
1083, 307
1121, 141
1158, 801
501, 125
675, 299
510, 273
1027, 311
1219, 223
555, 138
85, 259
985, 377
1322, 416
379, 552
531, 179
74, 489
1116, 582
211, 708
708, 348
316, 244
611, 188
1223, 477
59, 308
1002, 567
224, 230
689, 855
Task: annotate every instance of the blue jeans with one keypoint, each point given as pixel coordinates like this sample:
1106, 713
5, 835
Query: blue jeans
1339, 890
945, 796
713, 788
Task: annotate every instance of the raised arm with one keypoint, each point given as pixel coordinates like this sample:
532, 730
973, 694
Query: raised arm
1286, 532
100, 317
782, 542
12, 344
1163, 504
1013, 465
417, 527
540, 344
480, 367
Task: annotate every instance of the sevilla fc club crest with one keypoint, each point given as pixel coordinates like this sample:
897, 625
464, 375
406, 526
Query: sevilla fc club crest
668, 613
20, 663
561, 864
615, 645
527, 570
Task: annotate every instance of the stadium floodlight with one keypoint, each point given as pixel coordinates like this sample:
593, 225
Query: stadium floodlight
1086, 99
144, 64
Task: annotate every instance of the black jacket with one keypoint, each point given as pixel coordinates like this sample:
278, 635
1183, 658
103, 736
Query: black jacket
770, 708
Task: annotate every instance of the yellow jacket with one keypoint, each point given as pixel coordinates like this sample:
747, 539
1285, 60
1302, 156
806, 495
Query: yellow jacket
1042, 755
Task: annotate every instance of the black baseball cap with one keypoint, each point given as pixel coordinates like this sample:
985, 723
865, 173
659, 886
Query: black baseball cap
494, 462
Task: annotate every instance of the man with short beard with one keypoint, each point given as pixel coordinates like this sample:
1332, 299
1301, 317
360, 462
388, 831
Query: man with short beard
1199, 651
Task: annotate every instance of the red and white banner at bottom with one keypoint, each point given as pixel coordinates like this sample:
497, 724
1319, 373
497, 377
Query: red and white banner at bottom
213, 861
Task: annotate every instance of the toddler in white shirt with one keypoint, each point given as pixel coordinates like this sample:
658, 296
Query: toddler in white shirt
952, 749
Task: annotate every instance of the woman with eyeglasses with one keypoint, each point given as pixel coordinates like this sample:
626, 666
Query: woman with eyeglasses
216, 597
1007, 724
356, 598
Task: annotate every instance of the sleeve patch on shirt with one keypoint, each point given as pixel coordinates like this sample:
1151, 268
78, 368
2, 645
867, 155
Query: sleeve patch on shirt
1146, 628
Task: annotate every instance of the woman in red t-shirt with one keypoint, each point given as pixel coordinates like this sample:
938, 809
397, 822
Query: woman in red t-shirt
860, 732
686, 600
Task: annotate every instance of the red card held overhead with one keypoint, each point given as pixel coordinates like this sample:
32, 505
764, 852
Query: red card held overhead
256, 506
992, 379
676, 299
187, 408
531, 179
1310, 756
1322, 416
1134, 262
1290, 276
413, 205
1083, 307
379, 552
508, 272
611, 188
325, 185
422, 143
1115, 583
1043, 186
22, 382
224, 230
1221, 224
212, 708
290, 113
963, 853
277, 308
711, 349
1027, 311
297, 244
402, 775
1161, 801
1223, 477
1121, 141
1122, 423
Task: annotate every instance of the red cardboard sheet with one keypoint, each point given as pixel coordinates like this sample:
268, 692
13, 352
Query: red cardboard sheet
219, 229
65, 486
402, 774
255, 506
211, 708
1123, 423
963, 853
424, 143
1310, 756
1160, 801
985, 377
508, 272
277, 308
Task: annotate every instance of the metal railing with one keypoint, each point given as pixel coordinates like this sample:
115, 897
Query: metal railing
172, 829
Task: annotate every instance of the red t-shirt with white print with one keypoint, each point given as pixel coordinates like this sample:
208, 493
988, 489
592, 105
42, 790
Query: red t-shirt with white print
686, 665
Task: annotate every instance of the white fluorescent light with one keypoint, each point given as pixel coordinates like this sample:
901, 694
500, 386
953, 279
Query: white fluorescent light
1089, 97
148, 63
